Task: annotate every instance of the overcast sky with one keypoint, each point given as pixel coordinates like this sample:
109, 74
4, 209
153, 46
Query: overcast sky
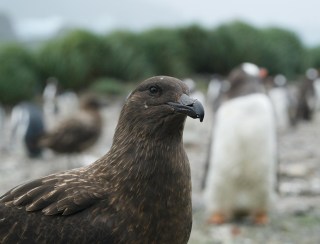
39, 17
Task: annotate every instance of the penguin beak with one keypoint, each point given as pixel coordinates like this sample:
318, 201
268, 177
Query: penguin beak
189, 106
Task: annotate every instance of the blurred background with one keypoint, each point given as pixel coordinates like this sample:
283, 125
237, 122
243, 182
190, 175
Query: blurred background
53, 54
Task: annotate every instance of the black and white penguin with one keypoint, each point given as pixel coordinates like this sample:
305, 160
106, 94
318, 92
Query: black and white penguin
242, 168
26, 128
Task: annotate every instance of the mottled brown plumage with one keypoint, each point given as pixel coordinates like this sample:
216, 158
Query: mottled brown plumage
139, 192
76, 133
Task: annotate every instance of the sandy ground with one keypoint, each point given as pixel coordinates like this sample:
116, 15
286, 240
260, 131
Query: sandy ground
296, 216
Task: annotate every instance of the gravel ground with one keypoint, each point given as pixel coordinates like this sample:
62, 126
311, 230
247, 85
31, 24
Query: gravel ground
295, 218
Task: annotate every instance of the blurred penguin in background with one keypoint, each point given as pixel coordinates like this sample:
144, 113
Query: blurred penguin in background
50, 108
307, 99
284, 102
26, 128
217, 87
196, 93
58, 106
2, 128
191, 125
242, 167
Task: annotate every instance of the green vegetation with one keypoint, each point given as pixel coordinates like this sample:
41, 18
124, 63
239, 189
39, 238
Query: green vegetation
287, 54
75, 59
80, 58
125, 60
314, 55
18, 74
108, 86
